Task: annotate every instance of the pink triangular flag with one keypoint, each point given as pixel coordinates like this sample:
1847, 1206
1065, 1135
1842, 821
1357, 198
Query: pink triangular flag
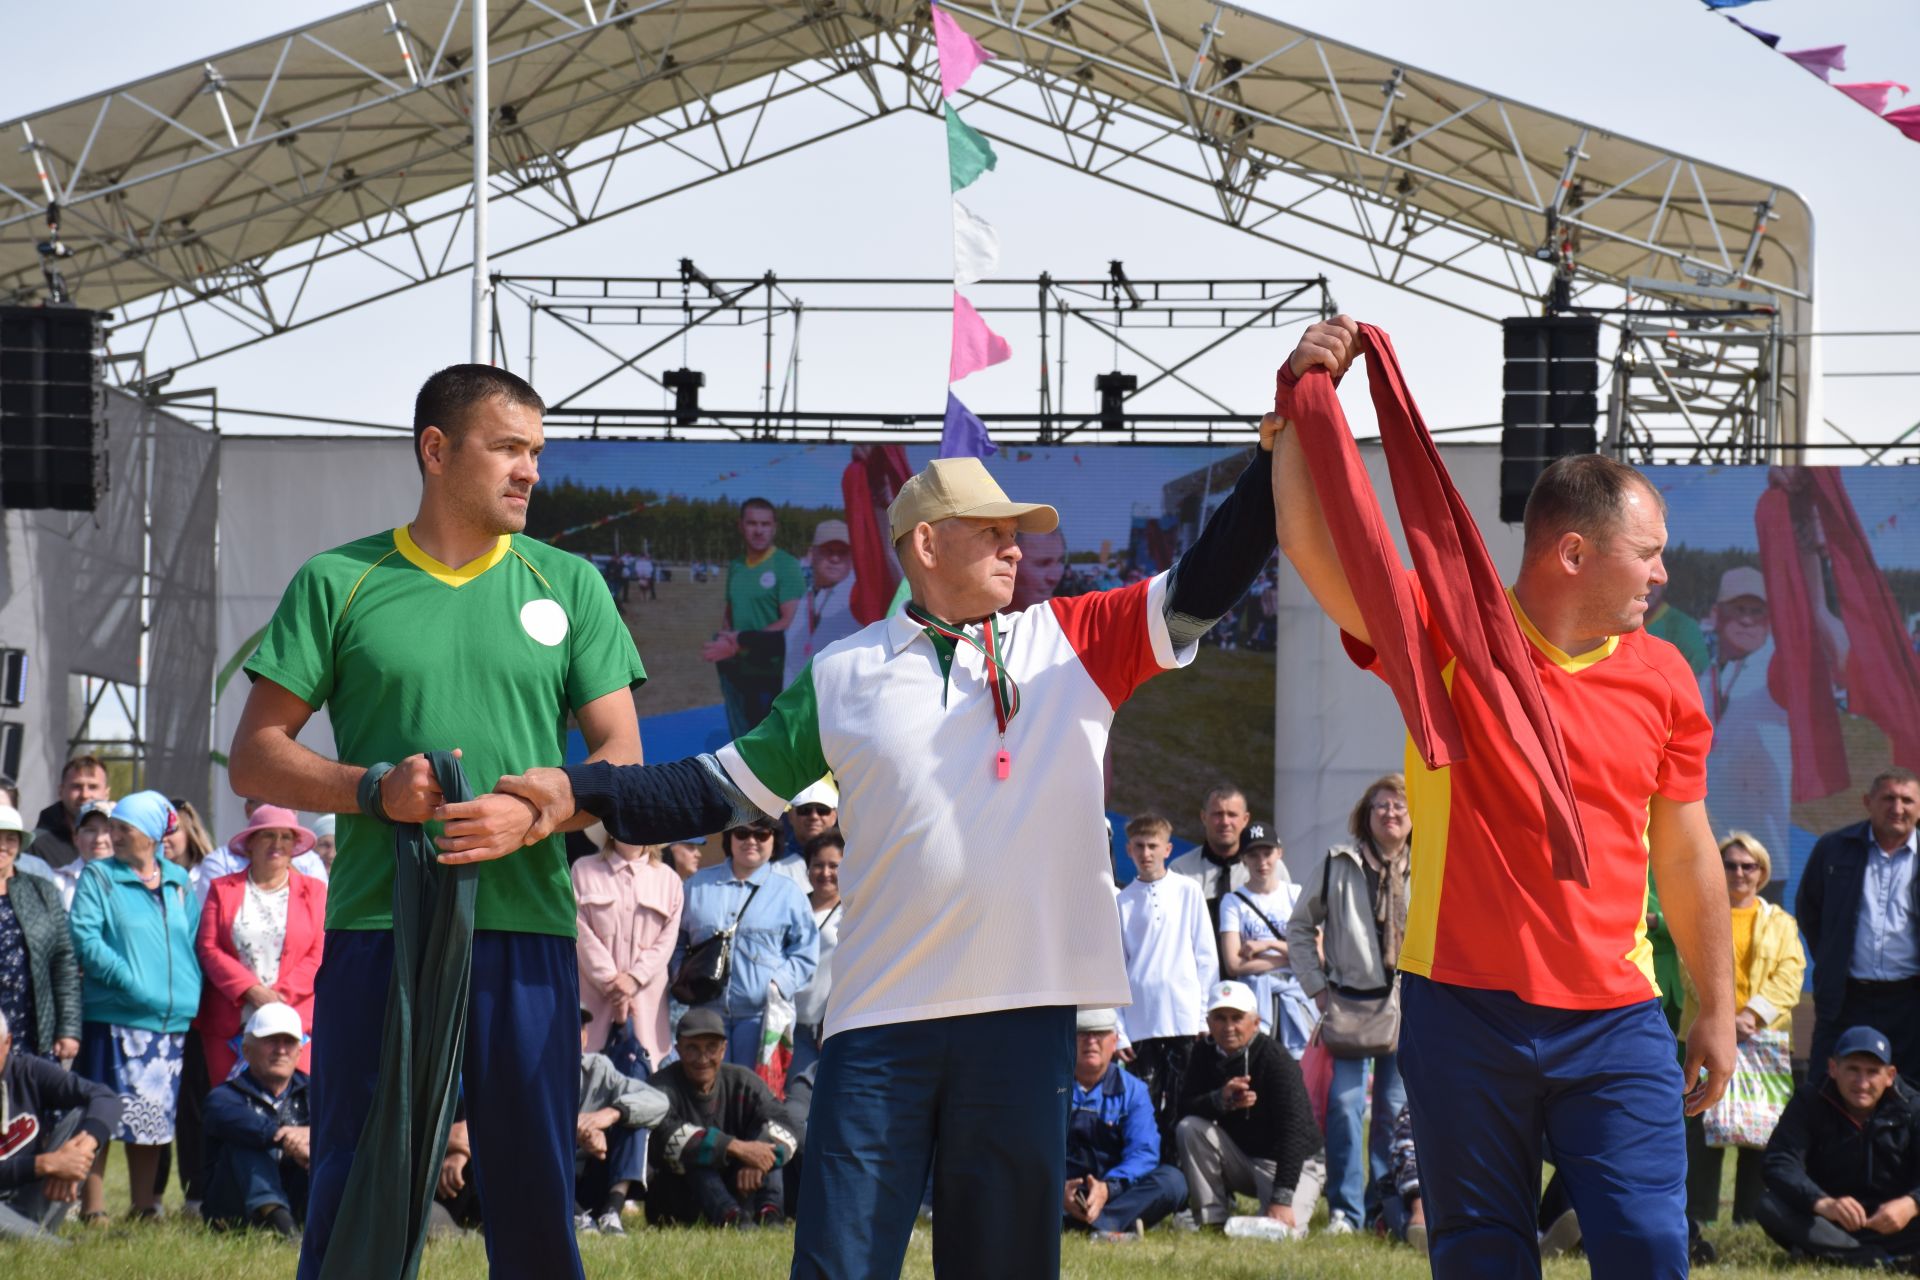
1873, 94
960, 54
975, 347
1831, 57
1906, 120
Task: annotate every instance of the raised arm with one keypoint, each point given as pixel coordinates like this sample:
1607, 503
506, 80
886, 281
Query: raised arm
1300, 524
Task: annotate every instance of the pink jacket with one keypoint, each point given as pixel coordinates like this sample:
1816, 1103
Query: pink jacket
629, 916
227, 977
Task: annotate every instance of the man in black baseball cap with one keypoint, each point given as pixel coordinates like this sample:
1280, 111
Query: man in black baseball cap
1843, 1166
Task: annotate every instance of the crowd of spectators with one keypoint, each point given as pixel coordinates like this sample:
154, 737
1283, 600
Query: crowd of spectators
156, 989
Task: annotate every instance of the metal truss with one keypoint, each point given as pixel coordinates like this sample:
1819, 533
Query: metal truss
597, 314
216, 205
1699, 383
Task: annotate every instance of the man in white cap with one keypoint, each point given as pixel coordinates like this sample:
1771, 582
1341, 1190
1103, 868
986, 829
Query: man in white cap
1750, 769
962, 740
813, 811
258, 1135
826, 611
1246, 1123
1117, 1183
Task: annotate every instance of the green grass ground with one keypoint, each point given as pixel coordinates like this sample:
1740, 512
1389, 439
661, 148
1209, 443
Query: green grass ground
179, 1250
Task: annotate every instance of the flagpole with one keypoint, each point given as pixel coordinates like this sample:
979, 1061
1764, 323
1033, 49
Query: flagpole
481, 122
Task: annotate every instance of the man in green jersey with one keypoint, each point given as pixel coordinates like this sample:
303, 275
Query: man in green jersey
764, 586
453, 632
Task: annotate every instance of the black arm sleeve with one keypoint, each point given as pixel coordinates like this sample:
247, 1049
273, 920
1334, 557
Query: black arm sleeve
1281, 1086
655, 803
1232, 549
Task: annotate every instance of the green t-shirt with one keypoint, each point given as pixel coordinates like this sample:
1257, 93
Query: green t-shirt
756, 592
1681, 631
408, 655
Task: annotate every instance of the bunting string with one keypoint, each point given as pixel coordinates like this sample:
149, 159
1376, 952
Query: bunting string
1823, 61
976, 245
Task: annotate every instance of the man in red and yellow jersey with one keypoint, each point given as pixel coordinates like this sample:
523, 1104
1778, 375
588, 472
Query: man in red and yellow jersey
1530, 1018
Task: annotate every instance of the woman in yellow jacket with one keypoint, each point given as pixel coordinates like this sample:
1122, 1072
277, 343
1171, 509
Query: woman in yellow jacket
1768, 965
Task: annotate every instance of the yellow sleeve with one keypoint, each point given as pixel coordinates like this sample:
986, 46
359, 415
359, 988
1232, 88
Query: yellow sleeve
1778, 990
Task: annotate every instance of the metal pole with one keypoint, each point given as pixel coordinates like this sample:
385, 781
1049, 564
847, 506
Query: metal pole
480, 121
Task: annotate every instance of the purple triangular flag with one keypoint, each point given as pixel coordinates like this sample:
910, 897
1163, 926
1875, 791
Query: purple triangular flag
1822, 61
964, 436
1766, 38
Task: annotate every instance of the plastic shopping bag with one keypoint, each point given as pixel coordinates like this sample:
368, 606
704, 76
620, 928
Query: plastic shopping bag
776, 1041
1762, 1082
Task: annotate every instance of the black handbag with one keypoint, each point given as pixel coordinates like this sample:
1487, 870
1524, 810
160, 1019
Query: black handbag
708, 964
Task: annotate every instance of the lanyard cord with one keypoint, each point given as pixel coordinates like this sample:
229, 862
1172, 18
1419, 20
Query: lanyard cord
1006, 694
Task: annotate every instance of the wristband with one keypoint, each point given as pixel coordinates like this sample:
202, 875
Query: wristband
371, 803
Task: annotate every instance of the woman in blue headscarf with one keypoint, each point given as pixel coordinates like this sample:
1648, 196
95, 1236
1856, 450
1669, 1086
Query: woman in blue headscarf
134, 921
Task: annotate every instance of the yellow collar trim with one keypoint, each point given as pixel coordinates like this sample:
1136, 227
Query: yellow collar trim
765, 556
404, 543
1559, 657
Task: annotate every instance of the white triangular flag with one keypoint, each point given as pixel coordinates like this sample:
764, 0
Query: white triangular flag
976, 246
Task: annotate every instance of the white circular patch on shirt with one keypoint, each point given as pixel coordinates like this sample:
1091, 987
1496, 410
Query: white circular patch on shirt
545, 621
767, 580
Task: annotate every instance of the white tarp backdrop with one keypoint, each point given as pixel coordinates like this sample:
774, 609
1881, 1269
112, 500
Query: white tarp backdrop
70, 597
282, 500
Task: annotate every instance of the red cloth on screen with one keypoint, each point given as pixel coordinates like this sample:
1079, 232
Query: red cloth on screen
1883, 672
879, 470
1462, 587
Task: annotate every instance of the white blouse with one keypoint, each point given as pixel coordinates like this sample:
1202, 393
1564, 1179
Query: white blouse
260, 929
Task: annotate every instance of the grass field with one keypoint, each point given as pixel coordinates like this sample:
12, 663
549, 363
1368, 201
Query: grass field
177, 1249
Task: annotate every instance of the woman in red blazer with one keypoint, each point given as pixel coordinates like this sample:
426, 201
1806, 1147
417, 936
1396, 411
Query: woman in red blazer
260, 936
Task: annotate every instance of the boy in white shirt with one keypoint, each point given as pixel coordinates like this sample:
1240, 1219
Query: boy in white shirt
1172, 962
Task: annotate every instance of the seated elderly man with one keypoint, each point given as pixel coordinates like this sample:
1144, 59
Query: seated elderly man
1843, 1167
1116, 1185
258, 1149
725, 1138
52, 1121
1246, 1124
611, 1138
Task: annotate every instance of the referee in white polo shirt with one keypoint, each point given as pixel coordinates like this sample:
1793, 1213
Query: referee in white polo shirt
967, 746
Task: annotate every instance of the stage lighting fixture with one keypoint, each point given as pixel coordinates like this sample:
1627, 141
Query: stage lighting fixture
13, 677
1114, 388
685, 385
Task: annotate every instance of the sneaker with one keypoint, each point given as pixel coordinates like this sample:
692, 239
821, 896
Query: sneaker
609, 1224
584, 1225
1562, 1237
276, 1219
1185, 1222
1339, 1224
770, 1216
1417, 1238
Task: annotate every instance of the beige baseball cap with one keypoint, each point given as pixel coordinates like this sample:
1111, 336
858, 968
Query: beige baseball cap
831, 531
962, 487
1744, 580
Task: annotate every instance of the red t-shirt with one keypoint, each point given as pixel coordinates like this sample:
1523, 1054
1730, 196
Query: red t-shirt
1486, 910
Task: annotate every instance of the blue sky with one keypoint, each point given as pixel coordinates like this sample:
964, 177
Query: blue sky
1096, 488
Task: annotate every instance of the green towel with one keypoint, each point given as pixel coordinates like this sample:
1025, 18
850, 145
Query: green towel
382, 1224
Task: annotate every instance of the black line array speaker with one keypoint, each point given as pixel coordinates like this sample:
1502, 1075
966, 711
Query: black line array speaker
52, 409
1550, 399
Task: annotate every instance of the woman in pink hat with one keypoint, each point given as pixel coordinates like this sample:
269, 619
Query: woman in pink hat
260, 935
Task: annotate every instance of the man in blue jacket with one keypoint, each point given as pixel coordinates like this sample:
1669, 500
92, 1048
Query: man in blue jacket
52, 1122
257, 1136
1116, 1185
1856, 903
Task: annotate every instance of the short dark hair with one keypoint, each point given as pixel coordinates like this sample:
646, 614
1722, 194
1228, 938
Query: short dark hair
78, 763
751, 503
448, 398
1220, 791
1582, 493
828, 839
1892, 773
